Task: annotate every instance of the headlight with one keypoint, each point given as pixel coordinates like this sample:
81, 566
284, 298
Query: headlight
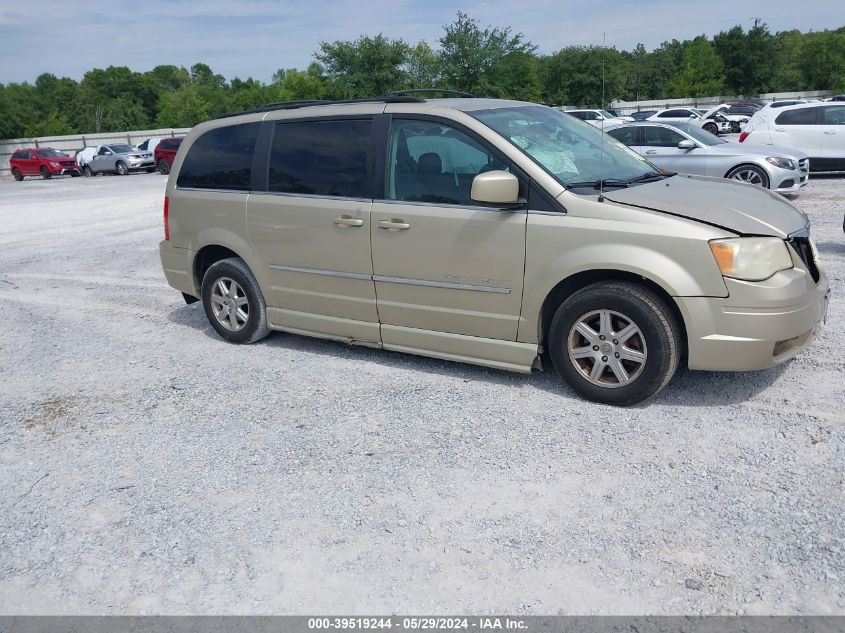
52, 164
783, 163
751, 258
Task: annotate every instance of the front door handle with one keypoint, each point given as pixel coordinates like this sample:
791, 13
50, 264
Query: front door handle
348, 220
830, 132
394, 224
651, 151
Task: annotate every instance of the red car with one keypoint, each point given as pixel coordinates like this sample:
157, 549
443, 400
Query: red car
165, 152
42, 161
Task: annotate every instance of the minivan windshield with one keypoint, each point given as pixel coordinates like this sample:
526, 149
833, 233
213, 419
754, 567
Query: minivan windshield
577, 154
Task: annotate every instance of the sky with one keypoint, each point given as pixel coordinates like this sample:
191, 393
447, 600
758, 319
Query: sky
254, 38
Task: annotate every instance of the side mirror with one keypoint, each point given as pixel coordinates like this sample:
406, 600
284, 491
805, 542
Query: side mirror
686, 144
496, 189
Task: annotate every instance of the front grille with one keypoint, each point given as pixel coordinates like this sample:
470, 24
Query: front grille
804, 164
805, 252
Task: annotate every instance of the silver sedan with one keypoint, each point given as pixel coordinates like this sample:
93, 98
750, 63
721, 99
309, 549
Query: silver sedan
687, 149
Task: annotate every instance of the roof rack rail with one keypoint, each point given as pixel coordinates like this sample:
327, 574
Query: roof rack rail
456, 93
292, 105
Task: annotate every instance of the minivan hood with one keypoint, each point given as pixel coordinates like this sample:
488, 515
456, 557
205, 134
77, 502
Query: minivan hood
728, 204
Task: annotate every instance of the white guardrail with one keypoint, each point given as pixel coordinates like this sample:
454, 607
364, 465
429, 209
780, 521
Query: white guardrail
70, 144
627, 107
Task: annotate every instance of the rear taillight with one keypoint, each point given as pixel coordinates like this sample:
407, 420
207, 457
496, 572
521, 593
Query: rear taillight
743, 136
166, 218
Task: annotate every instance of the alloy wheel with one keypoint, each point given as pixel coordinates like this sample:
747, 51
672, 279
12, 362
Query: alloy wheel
230, 304
607, 348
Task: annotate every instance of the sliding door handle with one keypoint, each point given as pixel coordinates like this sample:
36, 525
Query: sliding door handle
394, 224
348, 220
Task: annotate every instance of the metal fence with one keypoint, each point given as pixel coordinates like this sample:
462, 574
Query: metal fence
627, 107
71, 144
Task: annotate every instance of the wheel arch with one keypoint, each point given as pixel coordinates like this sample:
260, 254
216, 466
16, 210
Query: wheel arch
222, 245
751, 164
566, 287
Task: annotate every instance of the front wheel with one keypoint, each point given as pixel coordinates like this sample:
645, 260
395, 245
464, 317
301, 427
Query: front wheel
615, 342
45, 173
86, 170
233, 301
120, 168
711, 127
734, 127
751, 174
163, 167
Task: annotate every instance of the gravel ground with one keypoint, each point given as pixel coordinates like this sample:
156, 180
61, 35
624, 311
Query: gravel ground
148, 467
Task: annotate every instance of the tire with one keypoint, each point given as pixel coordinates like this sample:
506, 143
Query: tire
75, 174
86, 171
751, 174
163, 167
150, 170
120, 168
734, 127
711, 127
45, 173
648, 356
234, 327
16, 174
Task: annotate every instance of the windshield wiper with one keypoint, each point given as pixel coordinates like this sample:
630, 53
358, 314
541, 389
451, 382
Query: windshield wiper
652, 175
599, 184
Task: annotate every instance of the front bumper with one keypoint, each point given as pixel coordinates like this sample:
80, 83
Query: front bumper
134, 165
787, 180
64, 171
761, 324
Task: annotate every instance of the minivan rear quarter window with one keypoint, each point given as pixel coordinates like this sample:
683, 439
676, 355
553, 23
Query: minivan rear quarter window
220, 159
324, 158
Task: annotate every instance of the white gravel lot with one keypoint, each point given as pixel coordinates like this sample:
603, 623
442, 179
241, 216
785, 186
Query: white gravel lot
148, 467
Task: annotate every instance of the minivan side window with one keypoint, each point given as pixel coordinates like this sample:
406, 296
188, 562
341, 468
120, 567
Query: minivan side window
801, 116
221, 159
433, 162
323, 158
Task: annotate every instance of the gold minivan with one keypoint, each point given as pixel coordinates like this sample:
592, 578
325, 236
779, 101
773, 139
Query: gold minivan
489, 232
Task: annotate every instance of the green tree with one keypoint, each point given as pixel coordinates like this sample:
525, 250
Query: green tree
747, 58
468, 53
822, 60
182, 108
422, 67
367, 67
701, 73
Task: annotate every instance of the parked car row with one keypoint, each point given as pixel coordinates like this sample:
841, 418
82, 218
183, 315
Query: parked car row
115, 158
686, 148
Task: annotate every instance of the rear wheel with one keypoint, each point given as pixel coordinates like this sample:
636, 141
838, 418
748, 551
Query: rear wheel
163, 167
615, 342
45, 173
711, 127
16, 174
751, 174
233, 302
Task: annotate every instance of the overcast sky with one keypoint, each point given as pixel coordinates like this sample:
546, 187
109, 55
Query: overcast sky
246, 38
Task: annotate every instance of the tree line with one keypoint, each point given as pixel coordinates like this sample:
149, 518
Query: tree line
485, 61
